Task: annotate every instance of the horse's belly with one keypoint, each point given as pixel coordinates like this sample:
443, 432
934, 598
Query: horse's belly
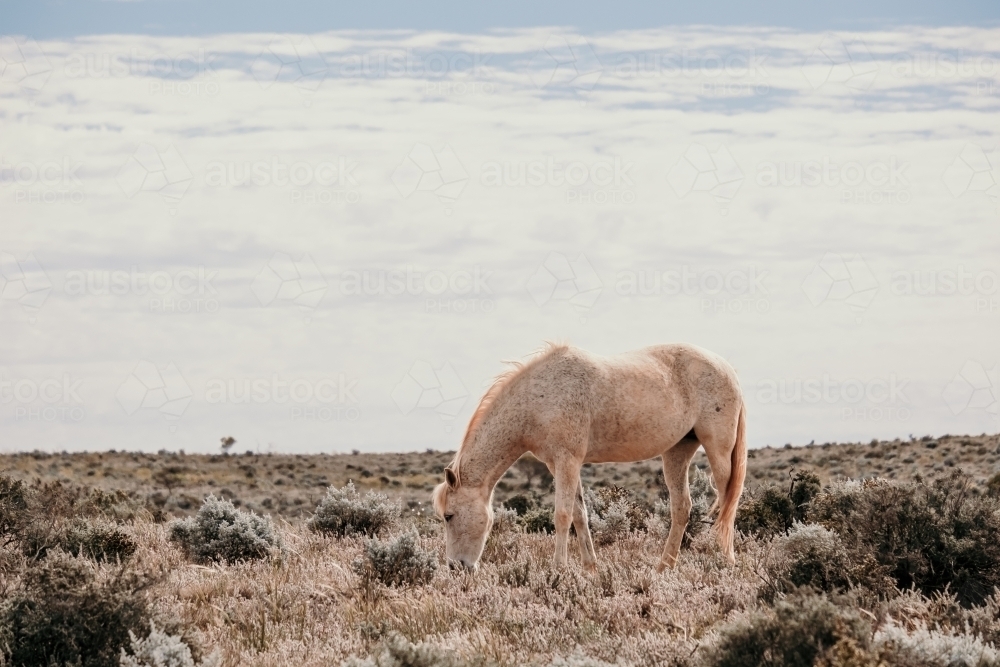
629, 454
636, 433
630, 449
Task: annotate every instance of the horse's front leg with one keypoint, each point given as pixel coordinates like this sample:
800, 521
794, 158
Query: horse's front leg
567, 477
582, 525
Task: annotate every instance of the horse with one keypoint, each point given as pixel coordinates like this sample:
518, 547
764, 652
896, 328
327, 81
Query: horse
569, 407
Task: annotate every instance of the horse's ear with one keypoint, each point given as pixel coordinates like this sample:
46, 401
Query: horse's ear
451, 477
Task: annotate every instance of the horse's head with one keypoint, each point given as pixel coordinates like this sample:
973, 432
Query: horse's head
468, 517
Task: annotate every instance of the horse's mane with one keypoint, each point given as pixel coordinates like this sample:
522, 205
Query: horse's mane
501, 382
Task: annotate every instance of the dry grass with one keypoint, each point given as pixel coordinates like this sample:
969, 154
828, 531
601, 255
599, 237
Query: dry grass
310, 608
292, 485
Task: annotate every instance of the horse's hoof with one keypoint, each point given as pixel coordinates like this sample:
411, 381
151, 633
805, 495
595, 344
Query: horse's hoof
665, 564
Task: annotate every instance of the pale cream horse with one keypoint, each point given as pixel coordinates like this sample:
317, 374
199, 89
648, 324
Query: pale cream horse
569, 407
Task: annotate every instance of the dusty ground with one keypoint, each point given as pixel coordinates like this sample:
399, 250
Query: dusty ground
291, 485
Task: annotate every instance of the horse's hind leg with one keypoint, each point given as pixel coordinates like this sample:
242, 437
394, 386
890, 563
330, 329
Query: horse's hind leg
676, 461
582, 525
718, 437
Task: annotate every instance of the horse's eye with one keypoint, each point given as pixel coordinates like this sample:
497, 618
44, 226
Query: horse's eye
447, 517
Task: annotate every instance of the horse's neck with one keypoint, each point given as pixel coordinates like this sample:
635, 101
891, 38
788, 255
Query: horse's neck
497, 444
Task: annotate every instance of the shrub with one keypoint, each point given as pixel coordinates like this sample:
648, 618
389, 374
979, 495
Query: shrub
799, 630
984, 620
614, 512
505, 520
100, 540
806, 629
538, 520
811, 555
658, 522
635, 509
400, 562
396, 651
765, 512
94, 538
62, 614
804, 488
993, 485
520, 503
578, 659
934, 537
220, 532
895, 647
13, 507
345, 512
117, 506
43, 516
160, 649
612, 524
772, 510
702, 494
516, 574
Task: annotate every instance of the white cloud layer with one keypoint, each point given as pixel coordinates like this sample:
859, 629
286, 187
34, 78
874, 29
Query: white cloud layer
326, 242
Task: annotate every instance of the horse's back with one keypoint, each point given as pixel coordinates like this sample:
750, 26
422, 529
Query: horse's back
648, 373
696, 364
641, 403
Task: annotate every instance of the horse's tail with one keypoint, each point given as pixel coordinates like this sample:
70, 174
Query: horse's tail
726, 522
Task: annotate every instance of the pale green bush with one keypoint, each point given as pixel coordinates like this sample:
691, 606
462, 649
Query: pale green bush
505, 520
935, 537
578, 659
160, 649
63, 612
346, 512
399, 562
798, 631
702, 495
220, 532
811, 555
928, 648
396, 651
612, 524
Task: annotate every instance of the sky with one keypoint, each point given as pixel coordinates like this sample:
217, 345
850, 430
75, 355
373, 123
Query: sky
327, 233
71, 18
